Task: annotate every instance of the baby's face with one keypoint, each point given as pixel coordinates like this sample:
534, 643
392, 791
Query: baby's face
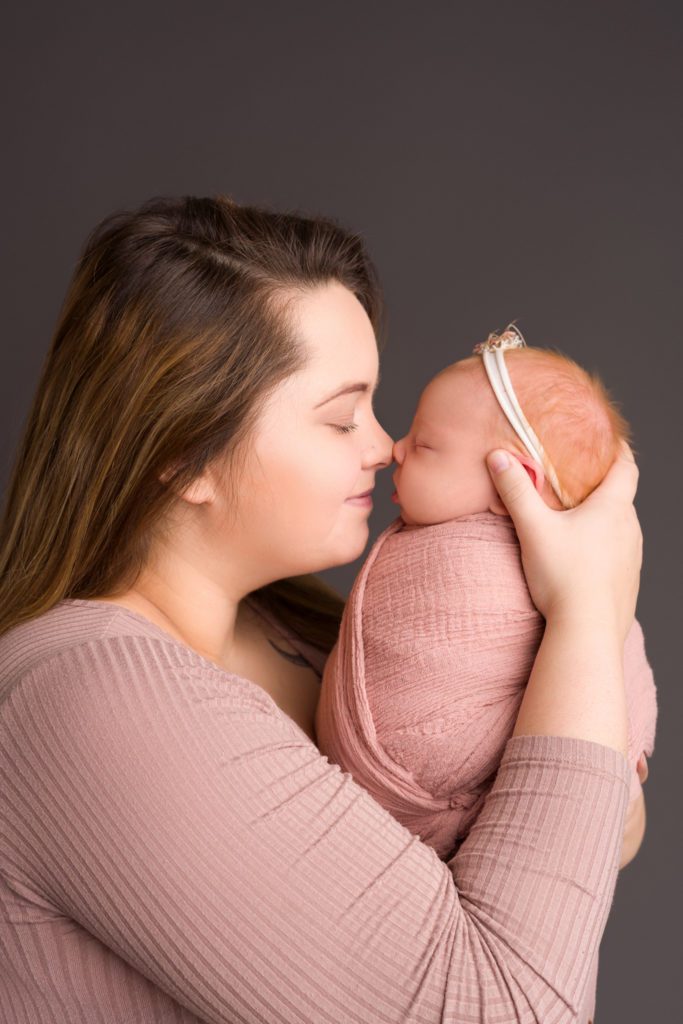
441, 472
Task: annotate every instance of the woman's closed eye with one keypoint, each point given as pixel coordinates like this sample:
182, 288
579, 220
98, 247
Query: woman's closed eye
344, 428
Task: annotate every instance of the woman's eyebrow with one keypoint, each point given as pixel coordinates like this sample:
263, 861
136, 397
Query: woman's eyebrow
348, 389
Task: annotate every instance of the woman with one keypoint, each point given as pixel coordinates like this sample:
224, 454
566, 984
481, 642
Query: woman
175, 847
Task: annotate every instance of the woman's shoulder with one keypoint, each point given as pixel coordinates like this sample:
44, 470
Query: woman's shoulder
70, 624
86, 639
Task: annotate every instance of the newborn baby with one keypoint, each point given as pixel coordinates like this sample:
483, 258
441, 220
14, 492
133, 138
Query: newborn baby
421, 692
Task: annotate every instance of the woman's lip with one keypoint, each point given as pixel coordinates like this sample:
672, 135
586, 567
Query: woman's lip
363, 501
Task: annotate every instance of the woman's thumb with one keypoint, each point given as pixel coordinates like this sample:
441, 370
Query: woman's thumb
513, 484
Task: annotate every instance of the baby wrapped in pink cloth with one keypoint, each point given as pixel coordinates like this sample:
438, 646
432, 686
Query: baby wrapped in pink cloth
421, 692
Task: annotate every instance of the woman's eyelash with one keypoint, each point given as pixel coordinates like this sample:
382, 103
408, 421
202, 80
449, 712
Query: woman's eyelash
345, 428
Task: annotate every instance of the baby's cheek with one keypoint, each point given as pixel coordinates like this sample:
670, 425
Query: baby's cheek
474, 493
415, 495
487, 492
432, 496
460, 490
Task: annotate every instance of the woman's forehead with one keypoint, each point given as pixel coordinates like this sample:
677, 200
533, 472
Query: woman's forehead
349, 364
338, 343
331, 316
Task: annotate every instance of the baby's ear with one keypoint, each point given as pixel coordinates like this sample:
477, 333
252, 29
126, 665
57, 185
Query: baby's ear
535, 471
536, 474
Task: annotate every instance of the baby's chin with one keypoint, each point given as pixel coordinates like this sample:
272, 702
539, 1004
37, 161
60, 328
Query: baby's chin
470, 499
445, 516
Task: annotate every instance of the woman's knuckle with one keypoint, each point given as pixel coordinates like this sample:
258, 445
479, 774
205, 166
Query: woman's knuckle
515, 492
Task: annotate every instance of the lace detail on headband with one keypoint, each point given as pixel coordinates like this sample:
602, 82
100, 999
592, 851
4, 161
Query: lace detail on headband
511, 337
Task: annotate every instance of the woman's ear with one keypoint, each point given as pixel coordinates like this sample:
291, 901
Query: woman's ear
536, 474
198, 492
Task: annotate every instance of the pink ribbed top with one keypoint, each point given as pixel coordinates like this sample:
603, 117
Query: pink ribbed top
175, 849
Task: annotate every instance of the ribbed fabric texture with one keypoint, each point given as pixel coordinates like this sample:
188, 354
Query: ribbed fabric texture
175, 849
423, 687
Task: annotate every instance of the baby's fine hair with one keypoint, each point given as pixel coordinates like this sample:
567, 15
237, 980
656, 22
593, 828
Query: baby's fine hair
571, 412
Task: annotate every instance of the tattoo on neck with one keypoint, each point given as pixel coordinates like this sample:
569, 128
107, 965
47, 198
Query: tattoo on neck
296, 659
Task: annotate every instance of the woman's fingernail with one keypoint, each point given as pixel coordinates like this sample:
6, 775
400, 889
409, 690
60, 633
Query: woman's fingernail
498, 461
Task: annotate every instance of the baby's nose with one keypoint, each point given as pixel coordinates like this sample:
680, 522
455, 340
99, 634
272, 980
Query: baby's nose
398, 451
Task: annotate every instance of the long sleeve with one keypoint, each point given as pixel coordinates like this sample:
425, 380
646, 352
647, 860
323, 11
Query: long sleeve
176, 849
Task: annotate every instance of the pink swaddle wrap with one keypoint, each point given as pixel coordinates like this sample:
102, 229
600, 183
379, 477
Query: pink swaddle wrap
421, 692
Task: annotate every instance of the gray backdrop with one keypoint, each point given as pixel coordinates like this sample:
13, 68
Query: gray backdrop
504, 161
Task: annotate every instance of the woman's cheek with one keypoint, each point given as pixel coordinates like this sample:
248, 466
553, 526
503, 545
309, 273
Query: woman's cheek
344, 468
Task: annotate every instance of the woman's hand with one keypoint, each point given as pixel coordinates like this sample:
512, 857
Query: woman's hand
583, 561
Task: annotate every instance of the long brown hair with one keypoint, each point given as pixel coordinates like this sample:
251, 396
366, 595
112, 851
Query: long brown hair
172, 334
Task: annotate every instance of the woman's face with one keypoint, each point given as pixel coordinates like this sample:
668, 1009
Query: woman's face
316, 445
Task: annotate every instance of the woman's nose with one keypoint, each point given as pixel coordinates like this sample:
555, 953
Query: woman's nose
380, 454
387, 448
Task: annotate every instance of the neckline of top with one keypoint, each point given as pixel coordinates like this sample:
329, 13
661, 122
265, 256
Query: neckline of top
168, 637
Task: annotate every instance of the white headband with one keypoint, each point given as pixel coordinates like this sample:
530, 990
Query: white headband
491, 351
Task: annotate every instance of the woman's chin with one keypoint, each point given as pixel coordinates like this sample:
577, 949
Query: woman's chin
349, 551
355, 550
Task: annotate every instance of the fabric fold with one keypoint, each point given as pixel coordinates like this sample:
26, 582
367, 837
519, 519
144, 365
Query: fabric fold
421, 692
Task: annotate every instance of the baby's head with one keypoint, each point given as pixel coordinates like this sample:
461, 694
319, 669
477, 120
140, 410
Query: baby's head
441, 472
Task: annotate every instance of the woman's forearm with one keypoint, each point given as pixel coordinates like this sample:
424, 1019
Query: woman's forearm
576, 687
582, 568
